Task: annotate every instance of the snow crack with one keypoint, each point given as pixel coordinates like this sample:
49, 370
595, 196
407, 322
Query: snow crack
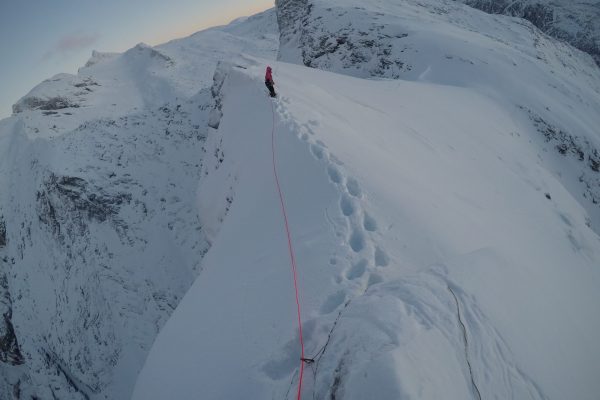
2, 232
466, 344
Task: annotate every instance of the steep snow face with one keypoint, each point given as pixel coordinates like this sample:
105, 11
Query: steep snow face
437, 256
576, 22
545, 83
102, 241
100, 235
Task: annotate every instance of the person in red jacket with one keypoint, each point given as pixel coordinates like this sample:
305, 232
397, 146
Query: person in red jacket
269, 82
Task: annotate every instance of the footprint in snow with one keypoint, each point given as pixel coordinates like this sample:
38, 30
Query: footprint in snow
381, 258
357, 270
334, 174
309, 129
346, 205
353, 187
333, 301
317, 151
357, 241
374, 279
369, 223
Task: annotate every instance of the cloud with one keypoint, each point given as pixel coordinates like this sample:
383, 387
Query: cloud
72, 43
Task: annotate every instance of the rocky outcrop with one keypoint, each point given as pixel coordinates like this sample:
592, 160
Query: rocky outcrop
217, 99
51, 104
574, 147
9, 345
66, 204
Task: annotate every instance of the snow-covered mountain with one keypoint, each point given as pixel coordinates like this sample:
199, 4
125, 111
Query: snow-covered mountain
100, 236
439, 168
576, 22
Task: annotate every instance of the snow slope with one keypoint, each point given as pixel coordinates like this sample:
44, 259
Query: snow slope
100, 231
431, 262
576, 22
541, 81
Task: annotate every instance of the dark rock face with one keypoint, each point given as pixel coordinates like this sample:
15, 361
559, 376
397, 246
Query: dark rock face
36, 103
2, 232
574, 147
9, 346
291, 16
66, 204
577, 23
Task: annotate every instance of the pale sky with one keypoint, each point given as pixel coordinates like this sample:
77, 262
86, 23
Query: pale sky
40, 38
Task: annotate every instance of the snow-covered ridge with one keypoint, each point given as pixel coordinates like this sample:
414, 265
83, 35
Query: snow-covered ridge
63, 91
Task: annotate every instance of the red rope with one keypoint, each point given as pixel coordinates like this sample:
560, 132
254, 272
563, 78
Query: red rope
292, 256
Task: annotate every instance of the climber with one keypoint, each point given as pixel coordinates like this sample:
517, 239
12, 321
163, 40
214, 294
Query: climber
269, 82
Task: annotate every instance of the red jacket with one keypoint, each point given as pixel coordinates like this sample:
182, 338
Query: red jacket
268, 76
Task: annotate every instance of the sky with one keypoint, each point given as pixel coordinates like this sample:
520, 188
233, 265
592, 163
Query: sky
41, 38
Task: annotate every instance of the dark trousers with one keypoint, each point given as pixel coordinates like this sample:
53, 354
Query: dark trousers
269, 85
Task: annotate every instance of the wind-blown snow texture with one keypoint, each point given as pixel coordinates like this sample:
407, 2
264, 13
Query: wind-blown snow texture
440, 171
